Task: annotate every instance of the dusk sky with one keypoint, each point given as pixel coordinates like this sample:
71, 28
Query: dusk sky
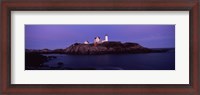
62, 36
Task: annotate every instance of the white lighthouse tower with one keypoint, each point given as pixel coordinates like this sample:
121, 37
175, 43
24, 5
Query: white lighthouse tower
106, 37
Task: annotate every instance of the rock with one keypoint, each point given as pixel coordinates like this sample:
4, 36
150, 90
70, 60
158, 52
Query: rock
106, 48
34, 60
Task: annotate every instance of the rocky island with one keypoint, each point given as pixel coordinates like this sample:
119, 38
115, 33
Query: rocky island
110, 47
107, 48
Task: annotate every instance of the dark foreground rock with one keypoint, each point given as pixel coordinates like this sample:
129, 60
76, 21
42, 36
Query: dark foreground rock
34, 60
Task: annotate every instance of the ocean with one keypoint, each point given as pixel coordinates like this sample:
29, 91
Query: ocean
142, 61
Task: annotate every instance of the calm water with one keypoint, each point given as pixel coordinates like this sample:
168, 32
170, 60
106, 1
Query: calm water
148, 61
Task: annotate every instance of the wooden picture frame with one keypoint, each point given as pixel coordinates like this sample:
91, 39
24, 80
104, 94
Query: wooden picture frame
100, 5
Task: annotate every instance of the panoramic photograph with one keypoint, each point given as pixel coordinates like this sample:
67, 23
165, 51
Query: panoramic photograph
99, 47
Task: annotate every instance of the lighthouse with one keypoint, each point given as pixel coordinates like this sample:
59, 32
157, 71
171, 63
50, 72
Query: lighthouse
106, 37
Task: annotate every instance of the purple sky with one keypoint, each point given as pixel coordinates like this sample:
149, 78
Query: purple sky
61, 36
